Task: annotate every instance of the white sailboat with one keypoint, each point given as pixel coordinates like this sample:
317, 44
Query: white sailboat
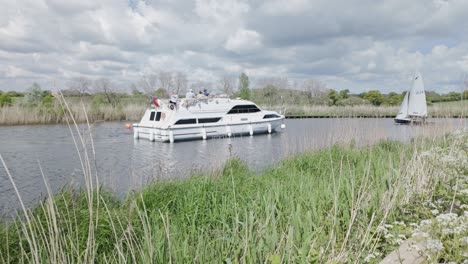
414, 107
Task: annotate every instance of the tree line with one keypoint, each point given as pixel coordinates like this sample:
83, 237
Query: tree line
270, 91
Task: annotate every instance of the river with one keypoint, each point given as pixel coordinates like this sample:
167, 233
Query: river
125, 164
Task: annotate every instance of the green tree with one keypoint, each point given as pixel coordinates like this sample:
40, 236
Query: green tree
375, 97
14, 94
394, 98
244, 90
452, 96
344, 93
334, 97
5, 100
34, 95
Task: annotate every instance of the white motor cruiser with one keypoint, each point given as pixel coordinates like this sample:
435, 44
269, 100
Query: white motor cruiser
202, 118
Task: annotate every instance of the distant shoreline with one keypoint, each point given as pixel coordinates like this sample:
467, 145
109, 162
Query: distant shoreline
133, 111
362, 116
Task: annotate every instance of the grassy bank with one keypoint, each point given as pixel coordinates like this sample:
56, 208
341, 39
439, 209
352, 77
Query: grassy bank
326, 206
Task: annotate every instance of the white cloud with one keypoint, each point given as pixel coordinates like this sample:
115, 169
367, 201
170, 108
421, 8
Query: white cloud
357, 45
291, 7
243, 40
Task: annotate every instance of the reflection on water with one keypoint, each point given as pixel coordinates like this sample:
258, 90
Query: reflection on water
124, 164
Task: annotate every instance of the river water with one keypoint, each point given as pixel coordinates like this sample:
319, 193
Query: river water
125, 164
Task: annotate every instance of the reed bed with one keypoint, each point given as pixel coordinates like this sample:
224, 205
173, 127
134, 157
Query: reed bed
22, 115
455, 109
132, 111
325, 206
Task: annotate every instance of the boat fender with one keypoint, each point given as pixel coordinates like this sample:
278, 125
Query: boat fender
203, 131
135, 133
251, 130
151, 135
269, 128
228, 130
171, 136
283, 126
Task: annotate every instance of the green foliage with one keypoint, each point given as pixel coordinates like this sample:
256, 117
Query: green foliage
136, 92
34, 96
98, 100
352, 101
394, 99
14, 94
334, 97
5, 100
344, 93
244, 89
374, 96
161, 93
451, 96
47, 100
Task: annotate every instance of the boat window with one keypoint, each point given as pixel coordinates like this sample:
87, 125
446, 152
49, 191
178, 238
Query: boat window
158, 116
208, 120
152, 115
271, 116
186, 121
241, 109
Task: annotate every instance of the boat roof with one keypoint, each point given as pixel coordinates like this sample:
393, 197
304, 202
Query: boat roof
205, 105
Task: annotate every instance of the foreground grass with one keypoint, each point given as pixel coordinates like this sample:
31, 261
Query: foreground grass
326, 206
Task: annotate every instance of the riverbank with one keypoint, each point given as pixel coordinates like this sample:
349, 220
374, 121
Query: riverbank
83, 111
334, 205
436, 110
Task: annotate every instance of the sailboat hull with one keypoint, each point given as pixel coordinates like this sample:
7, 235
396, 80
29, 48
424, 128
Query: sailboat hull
402, 121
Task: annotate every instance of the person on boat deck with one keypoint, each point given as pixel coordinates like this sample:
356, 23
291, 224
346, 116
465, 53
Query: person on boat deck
173, 100
190, 94
205, 92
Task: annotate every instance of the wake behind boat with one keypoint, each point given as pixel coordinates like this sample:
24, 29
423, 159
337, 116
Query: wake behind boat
202, 118
413, 109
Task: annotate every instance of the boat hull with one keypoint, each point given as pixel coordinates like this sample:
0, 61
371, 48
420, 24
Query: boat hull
410, 121
207, 131
402, 121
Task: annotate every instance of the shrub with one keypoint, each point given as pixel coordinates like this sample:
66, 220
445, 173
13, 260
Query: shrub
352, 101
5, 99
375, 97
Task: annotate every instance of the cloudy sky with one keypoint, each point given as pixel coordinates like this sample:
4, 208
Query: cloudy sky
357, 45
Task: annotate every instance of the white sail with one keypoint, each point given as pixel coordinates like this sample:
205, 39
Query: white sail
403, 113
417, 98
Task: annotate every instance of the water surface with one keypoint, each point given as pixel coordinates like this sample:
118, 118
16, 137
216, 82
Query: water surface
125, 164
